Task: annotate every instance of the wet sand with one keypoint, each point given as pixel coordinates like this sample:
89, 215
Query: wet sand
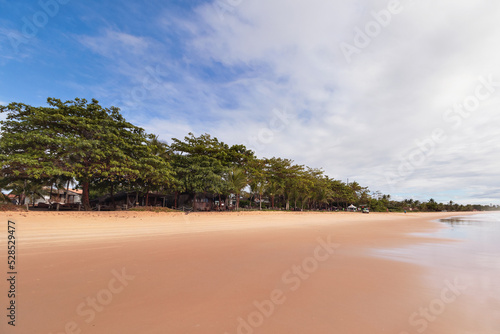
136, 272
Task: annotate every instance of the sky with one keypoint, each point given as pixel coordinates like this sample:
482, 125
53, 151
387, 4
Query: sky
401, 96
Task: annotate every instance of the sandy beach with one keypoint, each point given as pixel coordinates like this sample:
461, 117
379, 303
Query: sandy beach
259, 272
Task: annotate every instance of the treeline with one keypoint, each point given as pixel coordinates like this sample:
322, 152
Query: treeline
381, 203
94, 147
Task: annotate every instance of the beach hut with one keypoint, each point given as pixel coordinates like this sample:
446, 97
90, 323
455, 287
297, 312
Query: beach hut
352, 208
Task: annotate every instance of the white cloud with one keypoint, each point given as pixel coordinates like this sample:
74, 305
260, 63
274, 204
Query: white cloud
360, 118
113, 43
357, 120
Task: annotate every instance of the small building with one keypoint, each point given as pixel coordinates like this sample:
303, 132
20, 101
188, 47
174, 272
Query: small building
13, 198
71, 196
130, 199
61, 196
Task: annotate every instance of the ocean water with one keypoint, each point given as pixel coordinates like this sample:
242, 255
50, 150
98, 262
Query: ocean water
467, 252
471, 242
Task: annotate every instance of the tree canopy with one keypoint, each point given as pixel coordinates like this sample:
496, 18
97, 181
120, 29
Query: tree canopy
77, 139
81, 142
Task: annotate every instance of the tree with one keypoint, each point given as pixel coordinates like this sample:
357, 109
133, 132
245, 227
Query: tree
74, 139
258, 178
278, 172
273, 189
432, 205
27, 190
30, 149
237, 180
323, 194
303, 189
156, 170
342, 193
198, 164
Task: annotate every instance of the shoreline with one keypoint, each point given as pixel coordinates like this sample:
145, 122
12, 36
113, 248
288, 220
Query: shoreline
205, 273
59, 228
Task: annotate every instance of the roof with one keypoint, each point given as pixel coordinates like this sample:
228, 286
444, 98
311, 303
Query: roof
76, 191
64, 190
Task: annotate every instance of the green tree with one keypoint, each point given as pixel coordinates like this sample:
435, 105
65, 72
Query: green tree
76, 139
236, 181
258, 178
156, 173
198, 164
278, 171
432, 205
27, 190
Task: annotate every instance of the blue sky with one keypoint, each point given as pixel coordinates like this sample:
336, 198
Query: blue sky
367, 90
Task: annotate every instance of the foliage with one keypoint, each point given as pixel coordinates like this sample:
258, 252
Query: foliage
94, 147
198, 164
76, 139
236, 180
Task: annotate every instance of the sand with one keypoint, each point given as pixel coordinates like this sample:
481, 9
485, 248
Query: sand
260, 272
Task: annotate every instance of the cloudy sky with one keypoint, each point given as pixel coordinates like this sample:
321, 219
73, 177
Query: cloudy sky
401, 96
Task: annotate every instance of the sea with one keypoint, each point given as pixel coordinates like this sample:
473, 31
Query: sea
465, 252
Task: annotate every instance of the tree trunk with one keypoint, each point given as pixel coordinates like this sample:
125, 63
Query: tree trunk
237, 202
147, 197
50, 194
85, 196
272, 202
111, 191
260, 201
219, 202
194, 202
176, 197
67, 193
23, 195
287, 207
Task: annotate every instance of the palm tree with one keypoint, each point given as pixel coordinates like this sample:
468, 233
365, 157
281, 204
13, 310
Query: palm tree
259, 188
4, 198
236, 181
61, 183
273, 189
158, 147
27, 189
258, 178
323, 195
